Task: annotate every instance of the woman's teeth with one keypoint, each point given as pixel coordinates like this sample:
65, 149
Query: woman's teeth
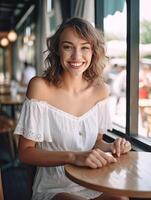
76, 65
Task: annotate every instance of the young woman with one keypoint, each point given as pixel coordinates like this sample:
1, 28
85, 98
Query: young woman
66, 113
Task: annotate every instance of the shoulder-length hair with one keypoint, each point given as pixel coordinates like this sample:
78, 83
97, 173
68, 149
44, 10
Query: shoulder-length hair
86, 31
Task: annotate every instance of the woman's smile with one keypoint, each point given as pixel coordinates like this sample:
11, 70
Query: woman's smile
75, 65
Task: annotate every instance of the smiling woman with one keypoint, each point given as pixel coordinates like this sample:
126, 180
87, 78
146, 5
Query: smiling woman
66, 113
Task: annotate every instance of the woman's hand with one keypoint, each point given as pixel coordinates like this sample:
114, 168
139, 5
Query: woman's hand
120, 146
93, 159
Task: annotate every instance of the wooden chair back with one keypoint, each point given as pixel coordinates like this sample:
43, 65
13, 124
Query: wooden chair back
7, 127
1, 188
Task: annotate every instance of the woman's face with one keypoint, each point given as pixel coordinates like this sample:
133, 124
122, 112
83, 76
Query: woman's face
75, 52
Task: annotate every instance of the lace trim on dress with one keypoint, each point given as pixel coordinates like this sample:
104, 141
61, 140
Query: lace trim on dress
29, 134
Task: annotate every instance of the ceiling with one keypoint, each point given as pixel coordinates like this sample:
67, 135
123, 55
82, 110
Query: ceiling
11, 11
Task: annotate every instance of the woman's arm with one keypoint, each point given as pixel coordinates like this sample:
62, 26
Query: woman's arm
30, 154
101, 144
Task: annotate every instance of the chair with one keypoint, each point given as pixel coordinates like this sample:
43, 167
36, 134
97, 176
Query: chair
1, 188
17, 182
7, 126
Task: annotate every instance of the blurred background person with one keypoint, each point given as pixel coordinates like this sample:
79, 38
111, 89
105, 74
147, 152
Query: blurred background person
144, 89
28, 73
119, 84
144, 81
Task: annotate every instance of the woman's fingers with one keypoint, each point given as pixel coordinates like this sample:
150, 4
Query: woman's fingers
127, 147
120, 146
98, 158
117, 146
110, 157
106, 156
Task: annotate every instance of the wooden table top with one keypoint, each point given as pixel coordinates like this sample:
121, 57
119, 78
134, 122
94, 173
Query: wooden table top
9, 100
4, 89
129, 176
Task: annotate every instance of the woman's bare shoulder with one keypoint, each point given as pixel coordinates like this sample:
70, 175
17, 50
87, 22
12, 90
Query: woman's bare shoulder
102, 91
37, 88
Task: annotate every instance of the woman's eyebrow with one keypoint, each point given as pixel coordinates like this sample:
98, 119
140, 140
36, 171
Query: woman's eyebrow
83, 43
67, 42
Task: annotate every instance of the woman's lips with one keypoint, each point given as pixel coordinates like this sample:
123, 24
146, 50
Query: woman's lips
76, 65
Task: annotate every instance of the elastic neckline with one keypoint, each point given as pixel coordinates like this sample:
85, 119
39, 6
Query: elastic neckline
64, 112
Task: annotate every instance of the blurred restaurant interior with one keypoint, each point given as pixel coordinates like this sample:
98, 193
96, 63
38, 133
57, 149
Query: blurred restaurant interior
24, 27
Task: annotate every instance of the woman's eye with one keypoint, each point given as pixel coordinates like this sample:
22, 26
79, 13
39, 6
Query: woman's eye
66, 47
86, 48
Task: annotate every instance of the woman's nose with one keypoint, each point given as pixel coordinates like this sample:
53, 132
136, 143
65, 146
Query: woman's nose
77, 54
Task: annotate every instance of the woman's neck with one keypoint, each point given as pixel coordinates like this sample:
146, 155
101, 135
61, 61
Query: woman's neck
74, 84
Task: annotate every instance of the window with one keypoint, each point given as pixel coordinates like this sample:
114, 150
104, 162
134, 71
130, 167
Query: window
52, 24
127, 35
115, 71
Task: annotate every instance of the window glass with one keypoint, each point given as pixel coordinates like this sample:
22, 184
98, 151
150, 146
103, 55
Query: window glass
25, 46
115, 71
145, 70
51, 14
49, 5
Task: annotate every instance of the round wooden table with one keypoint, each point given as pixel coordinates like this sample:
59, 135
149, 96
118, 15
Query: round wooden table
129, 176
8, 100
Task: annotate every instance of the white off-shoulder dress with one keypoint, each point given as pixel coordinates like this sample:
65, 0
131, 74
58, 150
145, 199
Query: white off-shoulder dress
57, 130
